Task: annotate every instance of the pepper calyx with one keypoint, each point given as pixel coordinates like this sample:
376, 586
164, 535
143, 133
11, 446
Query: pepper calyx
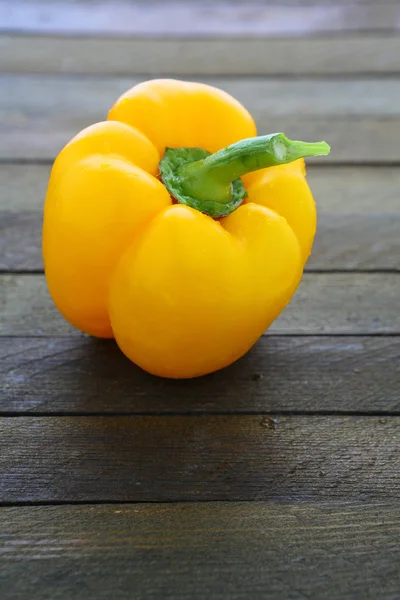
211, 183
170, 172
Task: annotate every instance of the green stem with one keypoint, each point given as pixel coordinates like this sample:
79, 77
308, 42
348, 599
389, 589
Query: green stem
211, 183
211, 177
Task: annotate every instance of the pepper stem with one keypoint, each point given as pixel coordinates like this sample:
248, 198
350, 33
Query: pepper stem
211, 183
211, 177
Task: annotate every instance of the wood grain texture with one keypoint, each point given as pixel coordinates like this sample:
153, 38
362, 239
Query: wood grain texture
343, 242
280, 374
187, 458
377, 53
358, 217
222, 18
339, 190
318, 551
39, 114
325, 303
239, 434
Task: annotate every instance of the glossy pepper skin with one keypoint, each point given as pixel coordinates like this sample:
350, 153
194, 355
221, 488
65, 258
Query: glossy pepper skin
183, 294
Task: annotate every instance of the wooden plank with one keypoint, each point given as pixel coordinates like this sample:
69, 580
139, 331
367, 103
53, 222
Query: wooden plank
15, 227
358, 217
338, 190
318, 551
326, 303
280, 374
189, 56
23, 187
360, 242
195, 18
39, 114
176, 458
344, 241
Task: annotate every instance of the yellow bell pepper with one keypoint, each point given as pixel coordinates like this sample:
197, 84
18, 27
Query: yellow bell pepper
183, 262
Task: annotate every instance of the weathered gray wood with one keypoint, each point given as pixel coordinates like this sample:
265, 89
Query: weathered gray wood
356, 242
326, 303
23, 187
196, 18
244, 56
280, 374
22, 193
40, 114
338, 191
36, 139
358, 217
318, 551
72, 98
322, 551
345, 242
174, 458
15, 227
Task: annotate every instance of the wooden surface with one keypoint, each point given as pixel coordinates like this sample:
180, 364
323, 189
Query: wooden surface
196, 18
334, 303
354, 203
39, 114
355, 55
188, 458
278, 477
222, 550
323, 374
